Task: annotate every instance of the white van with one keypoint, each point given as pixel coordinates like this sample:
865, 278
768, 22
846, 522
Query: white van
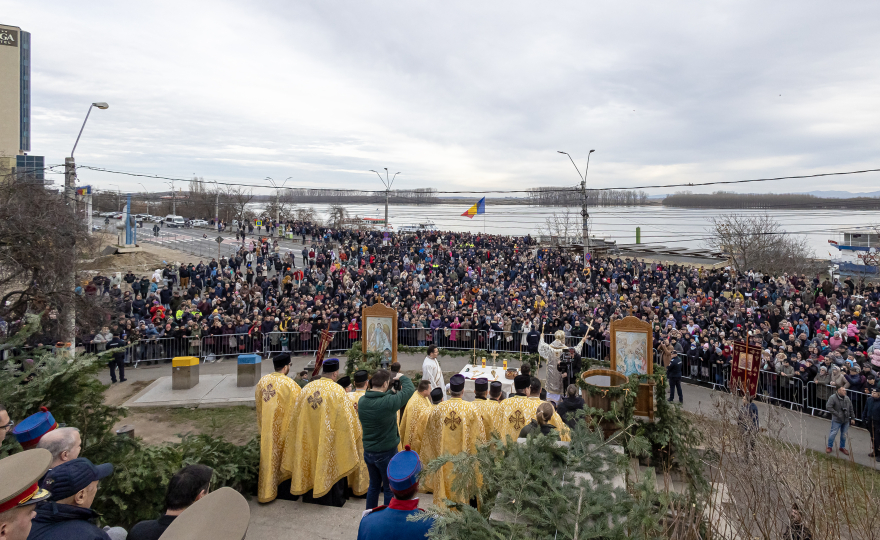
174, 221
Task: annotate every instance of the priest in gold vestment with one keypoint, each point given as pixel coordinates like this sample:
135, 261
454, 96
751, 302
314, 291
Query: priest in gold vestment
361, 378
324, 442
518, 410
274, 397
486, 408
452, 427
415, 414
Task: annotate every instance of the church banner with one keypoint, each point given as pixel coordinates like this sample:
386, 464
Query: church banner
745, 367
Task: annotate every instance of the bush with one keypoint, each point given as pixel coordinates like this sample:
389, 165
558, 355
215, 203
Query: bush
71, 391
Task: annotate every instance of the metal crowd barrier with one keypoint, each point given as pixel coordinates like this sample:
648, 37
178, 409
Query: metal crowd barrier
775, 389
162, 349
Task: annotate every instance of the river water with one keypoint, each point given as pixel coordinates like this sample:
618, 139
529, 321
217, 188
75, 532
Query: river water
660, 225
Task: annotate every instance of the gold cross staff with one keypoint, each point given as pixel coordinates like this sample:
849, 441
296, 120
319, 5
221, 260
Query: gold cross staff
494, 356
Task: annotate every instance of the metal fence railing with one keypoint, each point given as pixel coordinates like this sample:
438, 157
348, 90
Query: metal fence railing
773, 388
161, 349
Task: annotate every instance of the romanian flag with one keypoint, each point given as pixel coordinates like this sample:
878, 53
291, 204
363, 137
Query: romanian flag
477, 209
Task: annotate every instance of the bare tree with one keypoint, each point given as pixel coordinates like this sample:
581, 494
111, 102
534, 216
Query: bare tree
41, 242
338, 213
773, 485
238, 199
307, 214
760, 243
562, 224
282, 206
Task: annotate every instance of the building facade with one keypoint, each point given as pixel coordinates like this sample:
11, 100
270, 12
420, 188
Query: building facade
15, 96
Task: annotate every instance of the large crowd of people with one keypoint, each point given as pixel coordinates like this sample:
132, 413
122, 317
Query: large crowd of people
472, 290
463, 290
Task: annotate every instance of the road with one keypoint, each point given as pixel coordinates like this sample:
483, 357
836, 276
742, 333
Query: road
201, 242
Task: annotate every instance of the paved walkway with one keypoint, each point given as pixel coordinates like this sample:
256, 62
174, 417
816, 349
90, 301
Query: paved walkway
805, 430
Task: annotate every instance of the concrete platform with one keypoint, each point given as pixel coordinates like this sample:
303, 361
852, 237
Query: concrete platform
212, 391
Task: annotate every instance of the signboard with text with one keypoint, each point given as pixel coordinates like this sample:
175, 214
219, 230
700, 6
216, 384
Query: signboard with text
8, 37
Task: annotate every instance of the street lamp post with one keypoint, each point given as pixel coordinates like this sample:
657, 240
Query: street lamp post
118, 196
387, 184
585, 214
146, 197
68, 316
278, 197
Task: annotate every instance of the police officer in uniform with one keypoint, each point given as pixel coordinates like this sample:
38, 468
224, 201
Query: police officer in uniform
389, 522
19, 491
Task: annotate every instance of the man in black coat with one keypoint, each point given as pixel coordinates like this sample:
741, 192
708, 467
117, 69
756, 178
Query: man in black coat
673, 373
871, 418
569, 405
118, 358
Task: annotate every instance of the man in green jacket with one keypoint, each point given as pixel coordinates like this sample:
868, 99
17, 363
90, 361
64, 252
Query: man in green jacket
377, 410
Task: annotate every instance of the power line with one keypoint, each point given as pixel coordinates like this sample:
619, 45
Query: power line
544, 190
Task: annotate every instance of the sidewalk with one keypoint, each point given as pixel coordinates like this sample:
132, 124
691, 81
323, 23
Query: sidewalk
807, 431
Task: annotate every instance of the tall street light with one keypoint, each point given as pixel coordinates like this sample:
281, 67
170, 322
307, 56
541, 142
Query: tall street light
146, 197
278, 196
68, 317
387, 184
585, 215
69, 163
118, 196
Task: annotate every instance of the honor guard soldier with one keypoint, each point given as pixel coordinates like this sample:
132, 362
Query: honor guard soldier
30, 430
389, 522
19, 491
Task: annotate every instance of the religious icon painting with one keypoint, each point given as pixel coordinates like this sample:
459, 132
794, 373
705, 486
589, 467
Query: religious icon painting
632, 347
379, 323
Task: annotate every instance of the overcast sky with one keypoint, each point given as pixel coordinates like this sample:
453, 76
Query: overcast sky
458, 95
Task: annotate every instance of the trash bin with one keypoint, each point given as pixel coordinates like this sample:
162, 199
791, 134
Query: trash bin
248, 369
184, 372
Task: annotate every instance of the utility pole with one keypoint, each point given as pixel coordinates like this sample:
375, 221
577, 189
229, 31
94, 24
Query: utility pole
585, 214
68, 315
387, 184
173, 200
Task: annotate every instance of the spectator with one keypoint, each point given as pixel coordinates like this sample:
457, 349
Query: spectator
842, 416
64, 444
569, 405
871, 418
68, 514
673, 373
540, 424
187, 486
377, 411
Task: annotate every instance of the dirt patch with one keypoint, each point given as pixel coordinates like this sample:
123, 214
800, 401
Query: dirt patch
162, 425
142, 262
117, 394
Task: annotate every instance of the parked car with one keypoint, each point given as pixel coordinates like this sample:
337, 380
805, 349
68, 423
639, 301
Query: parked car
198, 223
117, 215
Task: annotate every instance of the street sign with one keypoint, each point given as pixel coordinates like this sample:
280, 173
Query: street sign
219, 239
588, 257
259, 223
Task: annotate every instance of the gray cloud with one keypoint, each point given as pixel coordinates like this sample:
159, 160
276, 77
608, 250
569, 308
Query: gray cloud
459, 95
